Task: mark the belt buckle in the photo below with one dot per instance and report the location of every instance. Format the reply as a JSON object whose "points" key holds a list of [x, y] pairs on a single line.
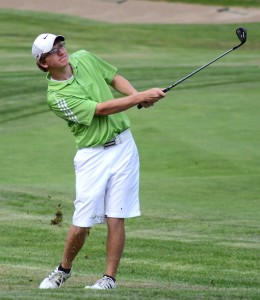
{"points": [[110, 143]]}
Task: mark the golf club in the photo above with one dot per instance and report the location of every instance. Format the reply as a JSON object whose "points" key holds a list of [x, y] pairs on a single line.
{"points": [[241, 34]]}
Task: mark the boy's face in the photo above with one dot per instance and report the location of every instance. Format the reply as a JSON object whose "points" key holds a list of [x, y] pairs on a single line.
{"points": [[57, 58]]}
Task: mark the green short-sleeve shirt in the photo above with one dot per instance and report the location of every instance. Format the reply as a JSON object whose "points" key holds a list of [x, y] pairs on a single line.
{"points": [[75, 100]]}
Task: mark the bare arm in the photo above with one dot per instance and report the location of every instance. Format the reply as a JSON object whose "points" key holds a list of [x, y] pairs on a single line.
{"points": [[147, 98], [123, 86]]}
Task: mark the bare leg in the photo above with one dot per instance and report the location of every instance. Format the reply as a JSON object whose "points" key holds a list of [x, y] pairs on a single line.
{"points": [[75, 240], [115, 244]]}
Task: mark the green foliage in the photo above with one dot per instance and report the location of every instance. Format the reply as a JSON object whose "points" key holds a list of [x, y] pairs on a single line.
{"points": [[198, 237]]}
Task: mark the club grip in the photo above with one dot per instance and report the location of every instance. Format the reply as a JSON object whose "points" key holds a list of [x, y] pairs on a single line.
{"points": [[139, 106], [166, 89]]}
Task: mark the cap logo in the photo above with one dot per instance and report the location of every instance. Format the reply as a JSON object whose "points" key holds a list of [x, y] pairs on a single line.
{"points": [[45, 37]]}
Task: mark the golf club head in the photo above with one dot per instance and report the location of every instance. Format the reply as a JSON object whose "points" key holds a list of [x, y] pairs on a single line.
{"points": [[241, 34]]}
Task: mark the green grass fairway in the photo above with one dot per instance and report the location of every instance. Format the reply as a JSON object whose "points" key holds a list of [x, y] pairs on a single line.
{"points": [[199, 235]]}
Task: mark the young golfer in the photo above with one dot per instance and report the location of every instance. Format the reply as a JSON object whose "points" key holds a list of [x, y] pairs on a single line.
{"points": [[106, 162]]}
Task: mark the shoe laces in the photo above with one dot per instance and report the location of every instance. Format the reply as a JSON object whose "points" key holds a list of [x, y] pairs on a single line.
{"points": [[57, 276], [105, 282]]}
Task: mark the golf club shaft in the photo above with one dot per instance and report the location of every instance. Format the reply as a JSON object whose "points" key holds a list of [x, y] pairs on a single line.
{"points": [[139, 106], [196, 71]]}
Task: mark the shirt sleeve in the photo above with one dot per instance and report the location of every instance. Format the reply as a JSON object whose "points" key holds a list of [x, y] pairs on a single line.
{"points": [[73, 109], [107, 70]]}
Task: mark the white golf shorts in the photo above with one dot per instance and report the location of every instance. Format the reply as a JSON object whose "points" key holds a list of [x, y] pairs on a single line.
{"points": [[107, 182]]}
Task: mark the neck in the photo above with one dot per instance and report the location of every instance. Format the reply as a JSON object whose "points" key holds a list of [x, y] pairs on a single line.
{"points": [[62, 74]]}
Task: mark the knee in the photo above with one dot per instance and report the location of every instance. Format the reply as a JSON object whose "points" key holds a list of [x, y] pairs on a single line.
{"points": [[80, 232], [115, 222]]}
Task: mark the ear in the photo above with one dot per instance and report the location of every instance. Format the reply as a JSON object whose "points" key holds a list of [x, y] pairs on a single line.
{"points": [[42, 64]]}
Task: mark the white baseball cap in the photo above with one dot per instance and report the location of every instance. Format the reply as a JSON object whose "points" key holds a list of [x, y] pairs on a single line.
{"points": [[44, 43]]}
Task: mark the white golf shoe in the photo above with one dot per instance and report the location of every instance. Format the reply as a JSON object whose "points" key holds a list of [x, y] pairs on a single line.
{"points": [[105, 283], [54, 280]]}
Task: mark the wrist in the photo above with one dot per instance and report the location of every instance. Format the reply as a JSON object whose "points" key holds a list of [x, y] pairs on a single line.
{"points": [[139, 97]]}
